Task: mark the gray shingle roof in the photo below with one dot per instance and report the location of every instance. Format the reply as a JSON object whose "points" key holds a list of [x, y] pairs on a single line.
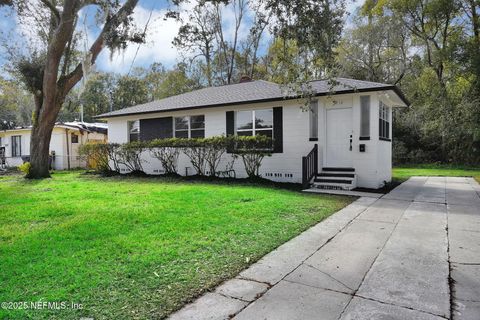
{"points": [[248, 92]]}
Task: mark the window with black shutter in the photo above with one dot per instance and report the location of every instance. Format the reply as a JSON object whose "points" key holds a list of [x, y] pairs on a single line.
{"points": [[267, 122], [255, 122]]}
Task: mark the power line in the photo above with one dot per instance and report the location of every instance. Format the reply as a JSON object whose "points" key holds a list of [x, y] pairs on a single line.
{"points": [[138, 48]]}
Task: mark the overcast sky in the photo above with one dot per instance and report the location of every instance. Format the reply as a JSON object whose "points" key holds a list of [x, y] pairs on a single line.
{"points": [[158, 46]]}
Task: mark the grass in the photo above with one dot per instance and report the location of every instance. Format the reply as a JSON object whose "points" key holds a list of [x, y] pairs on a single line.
{"points": [[137, 248], [402, 173]]}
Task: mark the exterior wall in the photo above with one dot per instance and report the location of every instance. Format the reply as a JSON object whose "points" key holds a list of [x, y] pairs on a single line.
{"points": [[285, 167], [6, 142], [372, 167], [384, 154], [58, 144]]}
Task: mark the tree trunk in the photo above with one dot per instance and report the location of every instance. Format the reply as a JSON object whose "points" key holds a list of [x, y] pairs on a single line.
{"points": [[49, 100], [39, 150], [45, 116]]}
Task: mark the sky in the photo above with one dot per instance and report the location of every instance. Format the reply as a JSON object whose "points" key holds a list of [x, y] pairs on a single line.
{"points": [[160, 34]]}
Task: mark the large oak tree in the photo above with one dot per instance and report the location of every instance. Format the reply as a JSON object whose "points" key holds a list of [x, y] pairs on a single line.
{"points": [[51, 72]]}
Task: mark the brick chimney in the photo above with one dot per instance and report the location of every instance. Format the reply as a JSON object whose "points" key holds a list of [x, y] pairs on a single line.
{"points": [[245, 78]]}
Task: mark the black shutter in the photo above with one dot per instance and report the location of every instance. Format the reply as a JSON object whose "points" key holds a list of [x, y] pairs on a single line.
{"points": [[157, 128], [278, 130], [230, 127], [230, 123]]}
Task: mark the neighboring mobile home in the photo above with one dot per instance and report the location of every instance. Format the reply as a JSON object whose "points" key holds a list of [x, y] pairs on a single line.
{"points": [[64, 144], [345, 130]]}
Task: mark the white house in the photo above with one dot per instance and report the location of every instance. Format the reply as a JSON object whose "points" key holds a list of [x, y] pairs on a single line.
{"points": [[343, 139], [64, 144]]}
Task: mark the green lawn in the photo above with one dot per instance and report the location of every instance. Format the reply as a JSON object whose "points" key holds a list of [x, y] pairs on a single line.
{"points": [[402, 173], [137, 247]]}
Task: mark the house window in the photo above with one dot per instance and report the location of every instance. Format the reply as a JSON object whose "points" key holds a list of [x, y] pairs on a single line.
{"points": [[313, 120], [133, 130], [364, 117], [16, 146], [190, 127], [74, 138], [384, 121], [256, 122]]}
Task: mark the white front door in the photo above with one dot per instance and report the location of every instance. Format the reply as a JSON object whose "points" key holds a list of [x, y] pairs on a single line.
{"points": [[339, 132]]}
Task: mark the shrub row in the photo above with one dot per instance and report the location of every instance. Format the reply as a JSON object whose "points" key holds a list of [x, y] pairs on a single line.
{"points": [[204, 154]]}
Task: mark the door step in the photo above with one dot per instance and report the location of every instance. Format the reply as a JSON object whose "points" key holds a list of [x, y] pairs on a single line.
{"points": [[342, 181], [335, 178], [338, 169], [335, 175]]}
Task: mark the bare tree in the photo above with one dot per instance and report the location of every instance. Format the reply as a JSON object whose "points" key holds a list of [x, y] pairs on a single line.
{"points": [[198, 36]]}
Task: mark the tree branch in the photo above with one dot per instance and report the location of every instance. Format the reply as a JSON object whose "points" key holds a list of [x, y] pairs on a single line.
{"points": [[69, 81], [52, 8]]}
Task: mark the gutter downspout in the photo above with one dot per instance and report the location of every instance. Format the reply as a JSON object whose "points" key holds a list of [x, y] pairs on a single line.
{"points": [[68, 150]]}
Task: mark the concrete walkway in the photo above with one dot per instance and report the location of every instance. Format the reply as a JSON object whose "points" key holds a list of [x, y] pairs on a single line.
{"points": [[412, 254]]}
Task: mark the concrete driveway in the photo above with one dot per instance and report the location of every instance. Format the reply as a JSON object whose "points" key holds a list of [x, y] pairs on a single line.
{"points": [[412, 254]]}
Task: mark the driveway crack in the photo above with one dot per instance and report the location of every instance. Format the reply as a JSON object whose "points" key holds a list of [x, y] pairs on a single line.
{"points": [[451, 281], [401, 306], [373, 262], [331, 277]]}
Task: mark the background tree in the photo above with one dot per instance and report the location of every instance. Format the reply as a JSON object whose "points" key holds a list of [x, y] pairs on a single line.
{"points": [[315, 28], [197, 37], [129, 91], [425, 47], [97, 97], [16, 105], [375, 48]]}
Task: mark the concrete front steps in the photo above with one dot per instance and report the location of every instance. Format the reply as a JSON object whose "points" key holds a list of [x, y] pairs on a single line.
{"points": [[335, 178]]}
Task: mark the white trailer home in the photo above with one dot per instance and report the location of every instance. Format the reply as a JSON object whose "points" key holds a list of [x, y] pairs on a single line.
{"points": [[343, 139], [64, 144]]}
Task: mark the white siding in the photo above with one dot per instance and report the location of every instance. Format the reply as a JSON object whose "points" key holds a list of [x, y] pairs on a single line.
{"points": [[372, 166], [384, 154]]}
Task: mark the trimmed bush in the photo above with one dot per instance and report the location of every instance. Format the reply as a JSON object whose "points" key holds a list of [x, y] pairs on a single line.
{"points": [[167, 152], [203, 153], [252, 150], [101, 157], [96, 156], [196, 151], [215, 148], [129, 155]]}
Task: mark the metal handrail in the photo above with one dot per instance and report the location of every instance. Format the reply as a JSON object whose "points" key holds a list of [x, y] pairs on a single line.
{"points": [[309, 166]]}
